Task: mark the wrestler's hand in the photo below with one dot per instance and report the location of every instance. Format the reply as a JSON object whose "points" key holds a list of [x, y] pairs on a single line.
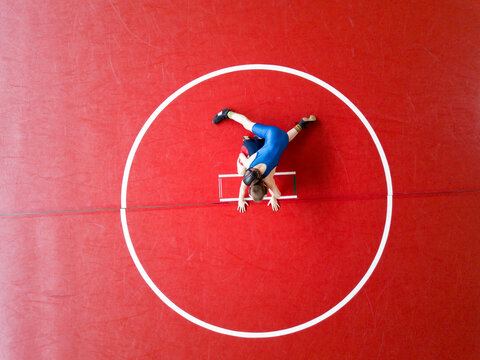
{"points": [[274, 202], [242, 205]]}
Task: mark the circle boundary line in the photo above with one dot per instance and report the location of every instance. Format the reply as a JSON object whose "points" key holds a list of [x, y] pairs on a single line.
{"points": [[131, 155]]}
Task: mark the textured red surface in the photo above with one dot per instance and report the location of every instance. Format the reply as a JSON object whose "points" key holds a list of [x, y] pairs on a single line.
{"points": [[79, 80]]}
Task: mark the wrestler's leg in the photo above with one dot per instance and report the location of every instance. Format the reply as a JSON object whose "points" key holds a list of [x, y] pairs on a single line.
{"points": [[292, 133], [295, 130], [241, 119]]}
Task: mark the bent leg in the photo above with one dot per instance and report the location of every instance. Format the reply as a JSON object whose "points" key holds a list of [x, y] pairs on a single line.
{"points": [[241, 119]]}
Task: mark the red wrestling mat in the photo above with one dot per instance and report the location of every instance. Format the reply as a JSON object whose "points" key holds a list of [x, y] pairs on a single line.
{"points": [[80, 79]]}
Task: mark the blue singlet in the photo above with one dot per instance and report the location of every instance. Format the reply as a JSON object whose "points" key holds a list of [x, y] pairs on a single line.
{"points": [[276, 140]]}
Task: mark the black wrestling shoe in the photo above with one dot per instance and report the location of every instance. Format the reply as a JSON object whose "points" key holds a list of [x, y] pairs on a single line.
{"points": [[305, 121], [222, 115]]}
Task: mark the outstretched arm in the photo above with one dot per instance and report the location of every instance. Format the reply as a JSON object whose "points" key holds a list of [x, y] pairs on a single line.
{"points": [[242, 203], [270, 182], [273, 202], [274, 191]]}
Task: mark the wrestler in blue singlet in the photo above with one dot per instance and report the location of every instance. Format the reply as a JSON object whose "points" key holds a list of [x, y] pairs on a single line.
{"points": [[276, 140]]}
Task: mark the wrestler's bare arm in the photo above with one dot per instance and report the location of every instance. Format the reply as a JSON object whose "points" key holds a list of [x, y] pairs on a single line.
{"points": [[270, 182], [273, 189], [242, 203], [242, 159]]}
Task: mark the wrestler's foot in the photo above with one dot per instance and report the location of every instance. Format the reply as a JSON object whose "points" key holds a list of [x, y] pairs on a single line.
{"points": [[310, 118], [245, 138], [305, 121], [222, 115]]}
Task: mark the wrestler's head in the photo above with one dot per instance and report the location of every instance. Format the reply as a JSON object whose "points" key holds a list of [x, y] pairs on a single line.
{"points": [[257, 190]]}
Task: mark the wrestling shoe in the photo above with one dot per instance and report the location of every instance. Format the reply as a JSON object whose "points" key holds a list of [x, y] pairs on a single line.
{"points": [[305, 121], [310, 118], [222, 115]]}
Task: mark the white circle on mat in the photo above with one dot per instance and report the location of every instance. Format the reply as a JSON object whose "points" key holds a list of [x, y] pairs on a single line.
{"points": [[350, 295]]}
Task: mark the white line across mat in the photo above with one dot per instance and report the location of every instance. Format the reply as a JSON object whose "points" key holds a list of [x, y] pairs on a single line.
{"points": [[265, 198], [236, 175]]}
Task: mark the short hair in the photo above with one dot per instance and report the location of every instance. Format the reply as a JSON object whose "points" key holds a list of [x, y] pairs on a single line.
{"points": [[257, 191]]}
